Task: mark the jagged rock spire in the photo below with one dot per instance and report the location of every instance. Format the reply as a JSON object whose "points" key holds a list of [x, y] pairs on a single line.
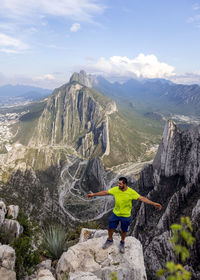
{"points": [[81, 78]]}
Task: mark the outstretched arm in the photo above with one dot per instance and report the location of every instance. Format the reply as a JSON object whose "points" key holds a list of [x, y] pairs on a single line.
{"points": [[146, 200], [98, 194]]}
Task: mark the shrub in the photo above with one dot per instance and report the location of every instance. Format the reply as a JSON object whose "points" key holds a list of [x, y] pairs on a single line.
{"points": [[5, 236], [26, 256], [182, 240], [54, 240], [113, 276]]}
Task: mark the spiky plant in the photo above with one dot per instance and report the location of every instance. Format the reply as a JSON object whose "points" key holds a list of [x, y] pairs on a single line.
{"points": [[54, 240]]}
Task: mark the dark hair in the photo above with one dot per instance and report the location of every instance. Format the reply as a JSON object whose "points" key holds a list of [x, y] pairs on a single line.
{"points": [[124, 180]]}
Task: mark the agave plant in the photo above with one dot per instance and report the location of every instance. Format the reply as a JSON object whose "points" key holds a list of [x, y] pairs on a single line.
{"points": [[54, 240]]}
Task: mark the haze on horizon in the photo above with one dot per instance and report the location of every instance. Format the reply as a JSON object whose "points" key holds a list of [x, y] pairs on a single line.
{"points": [[43, 42]]}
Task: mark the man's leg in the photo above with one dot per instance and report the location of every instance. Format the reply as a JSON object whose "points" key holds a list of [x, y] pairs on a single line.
{"points": [[125, 223], [113, 223], [123, 236], [110, 233]]}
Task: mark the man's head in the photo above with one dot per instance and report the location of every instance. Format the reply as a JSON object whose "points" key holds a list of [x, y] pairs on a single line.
{"points": [[122, 183]]}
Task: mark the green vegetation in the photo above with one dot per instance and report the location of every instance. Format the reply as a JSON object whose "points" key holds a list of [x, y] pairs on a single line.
{"points": [[73, 234], [98, 97], [54, 240], [5, 237], [182, 240], [28, 121], [65, 276], [113, 276], [131, 135], [27, 257]]}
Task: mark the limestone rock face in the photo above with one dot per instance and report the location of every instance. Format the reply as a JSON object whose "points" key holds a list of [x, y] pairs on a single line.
{"points": [[94, 176], [89, 257], [75, 115], [154, 253], [2, 212], [81, 78], [196, 213], [174, 181], [7, 261], [45, 274], [13, 227], [82, 276], [6, 274], [13, 211], [179, 153]]}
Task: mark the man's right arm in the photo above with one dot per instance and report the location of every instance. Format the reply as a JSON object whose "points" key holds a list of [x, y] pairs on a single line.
{"points": [[98, 194]]}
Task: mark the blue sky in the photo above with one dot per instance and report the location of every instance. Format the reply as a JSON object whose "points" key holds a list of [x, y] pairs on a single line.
{"points": [[43, 42]]}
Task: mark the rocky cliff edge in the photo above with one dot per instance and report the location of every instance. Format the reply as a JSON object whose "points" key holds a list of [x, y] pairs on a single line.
{"points": [[87, 260]]}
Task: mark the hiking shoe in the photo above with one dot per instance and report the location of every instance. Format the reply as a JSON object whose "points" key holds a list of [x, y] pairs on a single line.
{"points": [[107, 244], [121, 247]]}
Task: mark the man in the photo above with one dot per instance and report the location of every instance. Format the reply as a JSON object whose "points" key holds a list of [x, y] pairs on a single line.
{"points": [[122, 212]]}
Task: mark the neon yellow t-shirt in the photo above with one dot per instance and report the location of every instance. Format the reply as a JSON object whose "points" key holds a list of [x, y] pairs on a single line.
{"points": [[123, 201]]}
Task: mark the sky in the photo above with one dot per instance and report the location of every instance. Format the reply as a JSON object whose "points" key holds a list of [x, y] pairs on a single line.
{"points": [[43, 42]]}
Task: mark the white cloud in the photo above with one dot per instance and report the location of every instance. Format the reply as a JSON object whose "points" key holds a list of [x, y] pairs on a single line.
{"points": [[77, 9], [11, 45], [143, 66], [46, 77], [75, 27], [187, 78]]}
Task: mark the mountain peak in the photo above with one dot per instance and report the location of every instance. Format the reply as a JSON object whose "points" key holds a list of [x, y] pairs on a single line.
{"points": [[81, 78]]}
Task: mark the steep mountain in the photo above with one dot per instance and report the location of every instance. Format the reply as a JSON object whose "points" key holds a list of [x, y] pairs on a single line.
{"points": [[173, 180], [77, 116], [58, 149], [81, 119]]}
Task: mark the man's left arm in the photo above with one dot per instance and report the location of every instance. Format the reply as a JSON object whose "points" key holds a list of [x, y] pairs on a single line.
{"points": [[148, 201]]}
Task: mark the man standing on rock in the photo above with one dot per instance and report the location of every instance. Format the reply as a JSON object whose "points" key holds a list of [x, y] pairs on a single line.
{"points": [[122, 212]]}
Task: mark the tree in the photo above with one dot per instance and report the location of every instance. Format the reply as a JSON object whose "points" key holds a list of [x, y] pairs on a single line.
{"points": [[182, 240]]}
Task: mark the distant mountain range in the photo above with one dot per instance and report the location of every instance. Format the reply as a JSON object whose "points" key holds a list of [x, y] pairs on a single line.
{"points": [[149, 95], [24, 92], [153, 94]]}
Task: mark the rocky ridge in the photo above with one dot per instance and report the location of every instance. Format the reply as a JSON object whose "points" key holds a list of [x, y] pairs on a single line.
{"points": [[87, 259], [11, 227], [173, 180], [77, 116]]}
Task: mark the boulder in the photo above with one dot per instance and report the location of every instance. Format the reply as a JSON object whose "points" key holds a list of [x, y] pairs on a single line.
{"points": [[6, 274], [2, 212], [13, 211], [7, 257], [87, 233], [13, 227], [45, 274], [89, 257], [46, 264], [7, 261], [82, 276]]}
